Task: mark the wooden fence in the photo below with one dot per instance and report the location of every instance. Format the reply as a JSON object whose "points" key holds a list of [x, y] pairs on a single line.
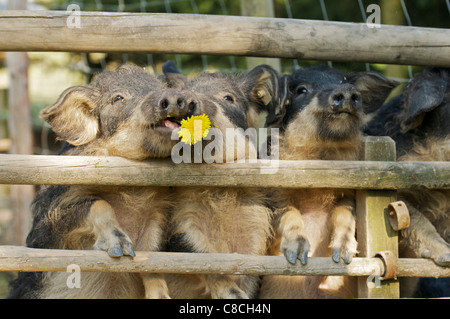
{"points": [[376, 179], [223, 35]]}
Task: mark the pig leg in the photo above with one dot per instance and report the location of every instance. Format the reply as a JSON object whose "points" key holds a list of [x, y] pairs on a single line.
{"points": [[293, 239], [109, 236], [224, 287], [193, 240], [342, 225], [423, 240], [155, 285]]}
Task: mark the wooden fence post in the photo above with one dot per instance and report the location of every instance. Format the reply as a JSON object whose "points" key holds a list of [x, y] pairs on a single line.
{"points": [[373, 229], [259, 8], [20, 132]]}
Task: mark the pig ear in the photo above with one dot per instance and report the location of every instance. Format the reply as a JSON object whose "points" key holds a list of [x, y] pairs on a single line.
{"points": [[422, 95], [374, 88], [277, 110], [175, 80], [172, 76], [263, 82], [71, 117], [170, 67], [266, 89]]}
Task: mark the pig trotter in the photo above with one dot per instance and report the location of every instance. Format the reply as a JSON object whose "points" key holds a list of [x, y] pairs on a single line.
{"points": [[297, 249], [224, 287], [347, 256], [105, 226], [345, 251], [443, 260], [343, 242], [117, 244]]}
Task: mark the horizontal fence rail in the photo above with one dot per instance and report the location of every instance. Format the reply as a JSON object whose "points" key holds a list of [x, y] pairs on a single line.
{"points": [[222, 35], [17, 258], [116, 171]]}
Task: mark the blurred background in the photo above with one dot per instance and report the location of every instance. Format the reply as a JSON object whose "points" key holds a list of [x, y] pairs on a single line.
{"points": [[46, 74]]}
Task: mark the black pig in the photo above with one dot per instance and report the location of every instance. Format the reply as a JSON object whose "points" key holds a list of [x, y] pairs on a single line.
{"points": [[418, 120], [322, 121]]}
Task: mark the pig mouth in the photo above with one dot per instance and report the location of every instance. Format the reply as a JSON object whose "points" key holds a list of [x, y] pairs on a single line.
{"points": [[336, 115], [346, 113], [169, 123]]}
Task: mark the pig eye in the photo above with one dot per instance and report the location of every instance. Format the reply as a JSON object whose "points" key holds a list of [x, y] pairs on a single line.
{"points": [[118, 98], [228, 98], [301, 90]]}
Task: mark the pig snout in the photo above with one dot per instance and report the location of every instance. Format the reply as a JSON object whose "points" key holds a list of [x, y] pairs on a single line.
{"points": [[172, 102], [176, 104], [345, 99], [168, 108]]}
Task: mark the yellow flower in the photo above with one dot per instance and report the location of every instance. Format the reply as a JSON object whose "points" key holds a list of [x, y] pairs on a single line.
{"points": [[193, 129]]}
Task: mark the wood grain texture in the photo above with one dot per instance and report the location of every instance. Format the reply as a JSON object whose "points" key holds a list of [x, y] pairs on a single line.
{"points": [[224, 35], [17, 258], [372, 226], [92, 170]]}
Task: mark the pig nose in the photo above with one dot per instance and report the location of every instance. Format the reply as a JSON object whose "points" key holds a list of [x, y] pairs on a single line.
{"points": [[345, 98], [172, 101]]}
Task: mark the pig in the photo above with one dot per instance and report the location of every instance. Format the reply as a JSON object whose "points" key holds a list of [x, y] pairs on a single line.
{"points": [[127, 113], [219, 219], [263, 97], [321, 121], [417, 120]]}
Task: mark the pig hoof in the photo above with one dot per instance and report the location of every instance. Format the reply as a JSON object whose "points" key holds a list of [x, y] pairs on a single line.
{"points": [[304, 257], [344, 247], [291, 256], [116, 244], [443, 260], [297, 249], [336, 256], [347, 256], [115, 251]]}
